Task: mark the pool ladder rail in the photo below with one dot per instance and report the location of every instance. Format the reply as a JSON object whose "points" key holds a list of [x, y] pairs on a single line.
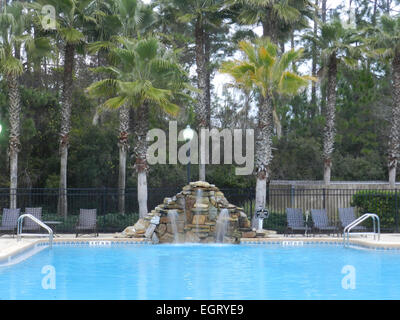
{"points": [[376, 225], [37, 221]]}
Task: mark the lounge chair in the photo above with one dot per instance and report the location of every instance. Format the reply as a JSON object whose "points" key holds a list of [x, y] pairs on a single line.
{"points": [[295, 221], [347, 216], [87, 221], [30, 225], [9, 221], [321, 222]]}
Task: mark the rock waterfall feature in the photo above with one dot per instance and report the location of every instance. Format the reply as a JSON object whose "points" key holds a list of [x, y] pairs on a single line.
{"points": [[199, 213]]}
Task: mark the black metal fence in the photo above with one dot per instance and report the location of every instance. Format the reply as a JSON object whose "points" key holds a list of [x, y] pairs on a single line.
{"points": [[384, 202], [105, 200]]}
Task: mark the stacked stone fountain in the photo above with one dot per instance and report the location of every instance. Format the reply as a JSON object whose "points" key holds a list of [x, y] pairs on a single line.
{"points": [[191, 216]]}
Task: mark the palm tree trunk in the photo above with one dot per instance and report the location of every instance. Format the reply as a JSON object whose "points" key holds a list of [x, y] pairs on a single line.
{"points": [[374, 11], [270, 29], [329, 130], [123, 146], [140, 151], [66, 105], [323, 14], [394, 139], [314, 63], [14, 144], [263, 152], [202, 97], [207, 52]]}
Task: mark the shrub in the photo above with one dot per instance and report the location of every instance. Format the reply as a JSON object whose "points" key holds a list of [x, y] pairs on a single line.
{"points": [[111, 222], [383, 203], [276, 220]]}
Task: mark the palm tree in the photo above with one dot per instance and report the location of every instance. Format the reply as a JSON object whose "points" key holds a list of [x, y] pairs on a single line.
{"points": [[143, 74], [264, 71], [338, 45], [134, 19], [279, 19], [72, 17], [13, 37], [386, 45], [200, 15]]}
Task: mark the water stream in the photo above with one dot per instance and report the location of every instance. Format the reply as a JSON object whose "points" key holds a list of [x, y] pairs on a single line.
{"points": [[222, 225], [173, 215]]}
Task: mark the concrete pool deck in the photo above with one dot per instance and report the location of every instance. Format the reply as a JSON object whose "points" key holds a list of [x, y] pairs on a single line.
{"points": [[9, 246]]}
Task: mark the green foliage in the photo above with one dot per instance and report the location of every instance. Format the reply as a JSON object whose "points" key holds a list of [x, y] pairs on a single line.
{"points": [[383, 40], [264, 70], [110, 222], [116, 222], [363, 93], [143, 71], [385, 204], [276, 221], [360, 141]]}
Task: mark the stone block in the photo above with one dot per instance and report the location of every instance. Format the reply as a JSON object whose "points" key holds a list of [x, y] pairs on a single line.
{"points": [[249, 234], [191, 237], [199, 219], [161, 229]]}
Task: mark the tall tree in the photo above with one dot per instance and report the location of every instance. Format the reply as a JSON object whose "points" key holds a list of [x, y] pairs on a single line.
{"points": [[314, 56], [143, 74], [385, 43], [323, 11], [263, 70], [13, 37], [279, 19], [73, 17], [134, 19], [201, 16], [338, 45]]}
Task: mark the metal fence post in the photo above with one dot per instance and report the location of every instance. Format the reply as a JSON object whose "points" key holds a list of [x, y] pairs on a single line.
{"points": [[292, 196], [396, 211], [104, 200]]}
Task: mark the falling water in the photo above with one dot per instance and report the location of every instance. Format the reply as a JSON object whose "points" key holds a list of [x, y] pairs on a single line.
{"points": [[222, 225], [172, 215], [199, 195]]}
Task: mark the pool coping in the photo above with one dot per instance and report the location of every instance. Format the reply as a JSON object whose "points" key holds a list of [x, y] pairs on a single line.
{"points": [[24, 248]]}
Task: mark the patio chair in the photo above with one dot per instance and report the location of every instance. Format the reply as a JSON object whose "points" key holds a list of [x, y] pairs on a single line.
{"points": [[321, 222], [87, 221], [295, 221], [9, 221], [347, 216], [30, 225]]}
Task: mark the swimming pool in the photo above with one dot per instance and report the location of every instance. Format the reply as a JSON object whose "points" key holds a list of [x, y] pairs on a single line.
{"points": [[204, 272]]}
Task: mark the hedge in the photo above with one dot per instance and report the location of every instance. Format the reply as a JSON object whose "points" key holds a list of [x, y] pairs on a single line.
{"points": [[385, 204]]}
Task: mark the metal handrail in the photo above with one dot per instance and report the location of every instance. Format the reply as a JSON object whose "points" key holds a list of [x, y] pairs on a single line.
{"points": [[349, 227], [37, 221]]}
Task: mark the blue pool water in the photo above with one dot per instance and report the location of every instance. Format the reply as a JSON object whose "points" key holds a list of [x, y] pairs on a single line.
{"points": [[204, 272]]}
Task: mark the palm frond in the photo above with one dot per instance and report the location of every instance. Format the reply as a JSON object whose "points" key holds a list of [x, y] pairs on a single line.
{"points": [[103, 88], [11, 66], [290, 83], [115, 102], [71, 35]]}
